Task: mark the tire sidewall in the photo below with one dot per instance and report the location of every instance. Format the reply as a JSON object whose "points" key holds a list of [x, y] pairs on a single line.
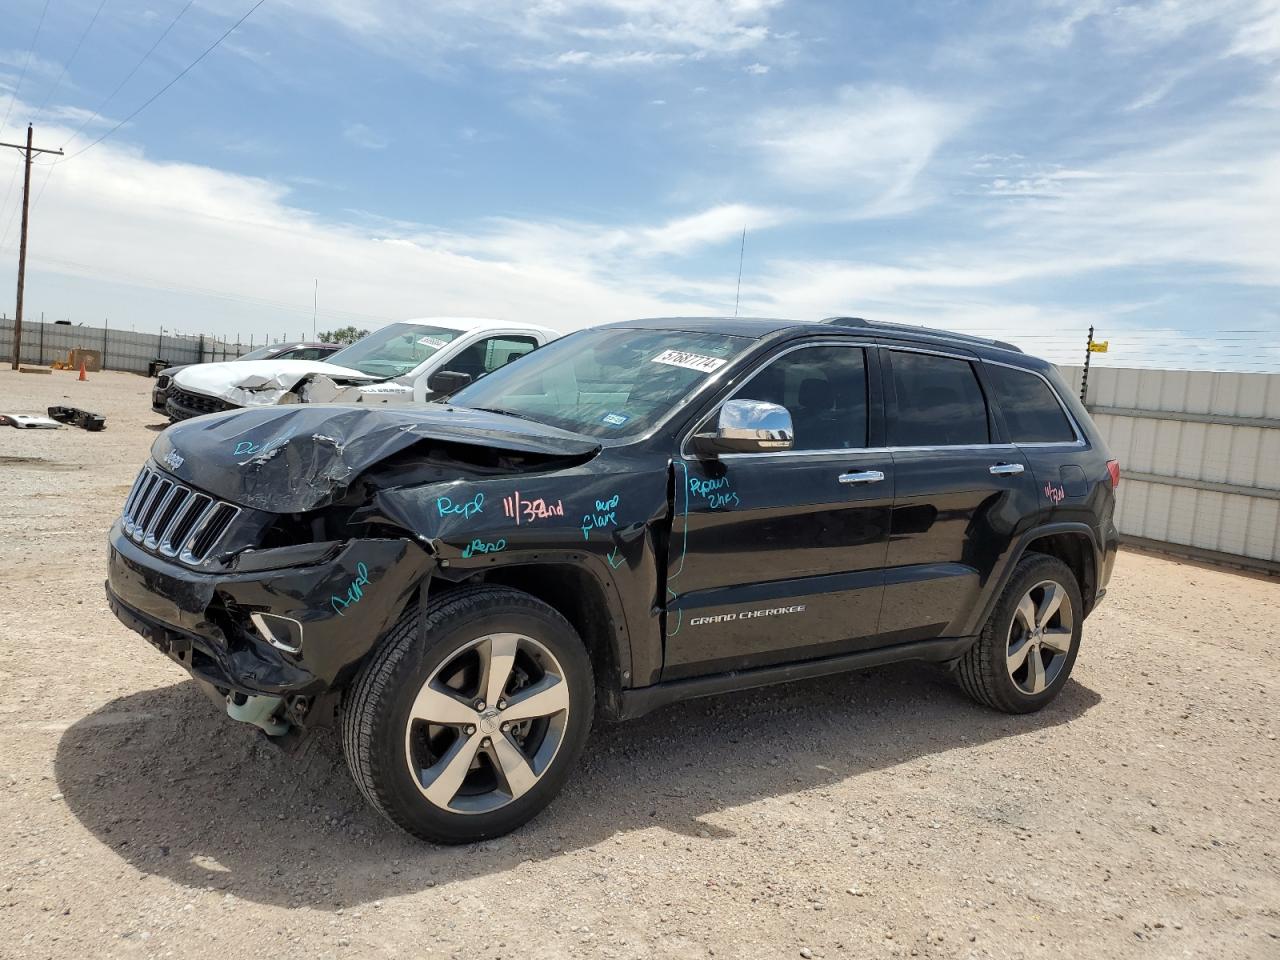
{"points": [[391, 716]]}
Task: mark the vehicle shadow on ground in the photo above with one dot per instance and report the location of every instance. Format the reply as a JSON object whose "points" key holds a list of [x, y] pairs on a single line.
{"points": [[180, 791]]}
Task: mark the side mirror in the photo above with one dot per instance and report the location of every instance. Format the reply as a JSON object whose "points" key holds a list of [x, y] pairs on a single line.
{"points": [[748, 426], [444, 383]]}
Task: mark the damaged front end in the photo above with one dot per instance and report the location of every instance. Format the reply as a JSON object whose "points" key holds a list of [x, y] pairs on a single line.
{"points": [[266, 383], [251, 553]]}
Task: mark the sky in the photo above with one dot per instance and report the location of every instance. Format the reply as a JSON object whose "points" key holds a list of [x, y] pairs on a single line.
{"points": [[1018, 169]]}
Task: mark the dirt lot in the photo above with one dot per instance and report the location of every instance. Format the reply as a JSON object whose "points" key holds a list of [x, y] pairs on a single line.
{"points": [[874, 815]]}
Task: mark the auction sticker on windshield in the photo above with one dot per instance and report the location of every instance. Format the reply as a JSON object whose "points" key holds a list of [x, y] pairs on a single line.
{"points": [[432, 342], [690, 361]]}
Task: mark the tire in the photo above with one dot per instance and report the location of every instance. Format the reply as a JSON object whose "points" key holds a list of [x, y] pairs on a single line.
{"points": [[987, 672], [411, 726]]}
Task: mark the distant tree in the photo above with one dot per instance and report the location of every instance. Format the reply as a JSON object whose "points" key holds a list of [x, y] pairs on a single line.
{"points": [[343, 335]]}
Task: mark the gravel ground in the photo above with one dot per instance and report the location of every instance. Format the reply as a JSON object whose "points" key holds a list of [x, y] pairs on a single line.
{"points": [[879, 814]]}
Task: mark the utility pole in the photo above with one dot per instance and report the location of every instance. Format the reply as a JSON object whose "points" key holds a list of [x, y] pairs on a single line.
{"points": [[27, 152]]}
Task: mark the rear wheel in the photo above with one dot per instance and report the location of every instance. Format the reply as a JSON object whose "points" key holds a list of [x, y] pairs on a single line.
{"points": [[1028, 646], [473, 735]]}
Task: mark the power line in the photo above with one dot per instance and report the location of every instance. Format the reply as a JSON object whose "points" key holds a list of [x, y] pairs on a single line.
{"points": [[136, 67], [71, 59], [185, 70], [13, 97]]}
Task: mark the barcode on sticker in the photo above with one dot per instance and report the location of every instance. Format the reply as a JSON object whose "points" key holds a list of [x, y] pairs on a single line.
{"points": [[690, 361], [432, 342]]}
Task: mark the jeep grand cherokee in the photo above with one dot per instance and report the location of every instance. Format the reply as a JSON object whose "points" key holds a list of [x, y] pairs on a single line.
{"points": [[632, 515]]}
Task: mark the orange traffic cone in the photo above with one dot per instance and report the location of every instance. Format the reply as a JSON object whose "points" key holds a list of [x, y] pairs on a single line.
{"points": [[82, 376]]}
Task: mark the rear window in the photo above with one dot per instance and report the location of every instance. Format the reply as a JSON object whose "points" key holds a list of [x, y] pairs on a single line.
{"points": [[1031, 410], [939, 402]]}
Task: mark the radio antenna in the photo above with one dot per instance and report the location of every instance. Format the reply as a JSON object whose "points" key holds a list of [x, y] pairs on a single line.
{"points": [[741, 250]]}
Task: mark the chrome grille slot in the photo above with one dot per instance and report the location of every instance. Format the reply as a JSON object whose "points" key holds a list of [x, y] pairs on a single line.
{"points": [[192, 515], [144, 504], [214, 526], [170, 518]]}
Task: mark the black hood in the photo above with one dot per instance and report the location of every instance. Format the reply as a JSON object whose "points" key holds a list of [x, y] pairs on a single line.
{"points": [[294, 458]]}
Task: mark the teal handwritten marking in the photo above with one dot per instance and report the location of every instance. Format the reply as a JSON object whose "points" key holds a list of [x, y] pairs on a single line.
{"points": [[612, 554], [467, 510], [251, 449], [480, 546], [715, 491], [354, 592], [684, 548], [606, 515]]}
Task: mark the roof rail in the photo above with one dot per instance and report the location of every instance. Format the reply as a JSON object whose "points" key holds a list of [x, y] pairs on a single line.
{"points": [[927, 331]]}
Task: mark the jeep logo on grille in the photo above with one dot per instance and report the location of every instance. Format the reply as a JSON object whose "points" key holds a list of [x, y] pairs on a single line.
{"points": [[174, 459]]}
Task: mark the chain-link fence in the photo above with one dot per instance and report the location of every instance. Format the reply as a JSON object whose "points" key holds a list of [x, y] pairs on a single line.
{"points": [[129, 350]]}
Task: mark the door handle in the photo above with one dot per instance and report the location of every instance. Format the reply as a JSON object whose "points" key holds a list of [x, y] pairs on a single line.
{"points": [[862, 476], [1007, 469]]}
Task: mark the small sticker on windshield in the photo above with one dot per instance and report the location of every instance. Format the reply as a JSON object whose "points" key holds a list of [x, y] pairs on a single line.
{"points": [[690, 361], [432, 342], [614, 419]]}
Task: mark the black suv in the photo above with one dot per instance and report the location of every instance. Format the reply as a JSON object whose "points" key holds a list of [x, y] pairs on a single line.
{"points": [[632, 515]]}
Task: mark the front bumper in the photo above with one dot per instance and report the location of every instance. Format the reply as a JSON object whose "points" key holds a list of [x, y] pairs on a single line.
{"points": [[183, 405], [201, 620]]}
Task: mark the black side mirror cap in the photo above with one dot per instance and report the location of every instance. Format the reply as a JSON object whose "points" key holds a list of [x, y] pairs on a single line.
{"points": [[447, 382]]}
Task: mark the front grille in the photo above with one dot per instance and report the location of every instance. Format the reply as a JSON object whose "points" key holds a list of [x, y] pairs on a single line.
{"points": [[198, 402], [171, 519]]}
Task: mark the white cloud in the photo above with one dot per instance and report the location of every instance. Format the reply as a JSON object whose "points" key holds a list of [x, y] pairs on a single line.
{"points": [[232, 250], [868, 144], [365, 137], [756, 69], [559, 34]]}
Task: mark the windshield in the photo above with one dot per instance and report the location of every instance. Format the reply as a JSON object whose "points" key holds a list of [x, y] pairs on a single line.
{"points": [[260, 354], [394, 350], [604, 383]]}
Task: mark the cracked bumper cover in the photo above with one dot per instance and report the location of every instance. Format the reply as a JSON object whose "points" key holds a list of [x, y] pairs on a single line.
{"points": [[201, 619]]}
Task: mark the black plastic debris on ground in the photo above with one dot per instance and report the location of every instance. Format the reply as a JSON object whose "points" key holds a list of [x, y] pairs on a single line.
{"points": [[80, 418]]}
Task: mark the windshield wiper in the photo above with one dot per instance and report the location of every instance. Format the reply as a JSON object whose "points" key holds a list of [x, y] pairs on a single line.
{"points": [[507, 413]]}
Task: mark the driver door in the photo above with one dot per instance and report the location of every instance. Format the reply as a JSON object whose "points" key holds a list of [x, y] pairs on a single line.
{"points": [[779, 556]]}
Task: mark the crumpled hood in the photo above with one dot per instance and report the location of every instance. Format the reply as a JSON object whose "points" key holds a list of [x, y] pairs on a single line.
{"points": [[294, 458], [258, 382]]}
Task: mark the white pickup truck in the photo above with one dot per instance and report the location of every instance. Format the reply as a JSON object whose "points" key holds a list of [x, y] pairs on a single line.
{"points": [[394, 364]]}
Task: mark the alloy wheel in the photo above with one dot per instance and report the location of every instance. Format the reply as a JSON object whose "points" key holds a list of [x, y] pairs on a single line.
{"points": [[1040, 637], [487, 723]]}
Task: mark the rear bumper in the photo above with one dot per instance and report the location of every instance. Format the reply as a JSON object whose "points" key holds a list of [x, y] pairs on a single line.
{"points": [[202, 620]]}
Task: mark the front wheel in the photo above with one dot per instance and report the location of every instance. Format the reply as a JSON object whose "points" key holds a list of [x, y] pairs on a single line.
{"points": [[470, 735], [1026, 650]]}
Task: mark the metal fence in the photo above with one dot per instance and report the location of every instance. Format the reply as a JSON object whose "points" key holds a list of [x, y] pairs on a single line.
{"points": [[128, 350], [1200, 454]]}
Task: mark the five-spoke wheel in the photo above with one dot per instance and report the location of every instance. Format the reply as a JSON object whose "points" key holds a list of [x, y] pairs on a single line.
{"points": [[1028, 645], [487, 723], [1039, 636], [466, 721]]}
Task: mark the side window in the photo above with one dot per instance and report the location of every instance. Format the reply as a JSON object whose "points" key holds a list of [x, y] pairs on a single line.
{"points": [[825, 390], [487, 355], [307, 353], [939, 402], [1031, 409]]}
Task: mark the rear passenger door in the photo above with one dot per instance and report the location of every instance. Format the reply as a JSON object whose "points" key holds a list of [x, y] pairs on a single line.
{"points": [[1032, 416], [961, 493]]}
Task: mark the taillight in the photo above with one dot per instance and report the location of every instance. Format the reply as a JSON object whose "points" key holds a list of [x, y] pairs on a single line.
{"points": [[1113, 468]]}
